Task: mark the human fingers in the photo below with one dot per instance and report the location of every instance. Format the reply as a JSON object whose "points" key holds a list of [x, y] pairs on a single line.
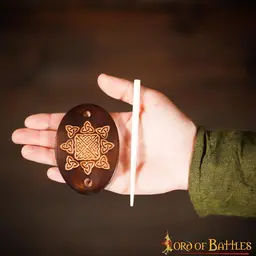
{"points": [[122, 89], [39, 154], [44, 121], [34, 137], [53, 173]]}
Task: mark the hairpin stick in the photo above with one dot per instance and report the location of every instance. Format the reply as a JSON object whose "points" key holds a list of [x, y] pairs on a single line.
{"points": [[134, 142]]}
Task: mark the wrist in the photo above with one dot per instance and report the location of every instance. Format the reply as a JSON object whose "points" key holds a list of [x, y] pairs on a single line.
{"points": [[187, 155]]}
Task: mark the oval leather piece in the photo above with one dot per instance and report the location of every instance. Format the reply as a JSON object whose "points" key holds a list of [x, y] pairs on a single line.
{"points": [[87, 148]]}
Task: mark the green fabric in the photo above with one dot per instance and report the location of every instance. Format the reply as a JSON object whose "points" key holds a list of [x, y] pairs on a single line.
{"points": [[222, 178]]}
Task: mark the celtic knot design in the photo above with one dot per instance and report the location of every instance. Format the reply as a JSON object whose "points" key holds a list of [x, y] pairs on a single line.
{"points": [[87, 147]]}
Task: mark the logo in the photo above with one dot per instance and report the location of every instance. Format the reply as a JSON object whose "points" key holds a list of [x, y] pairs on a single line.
{"points": [[209, 247], [168, 244]]}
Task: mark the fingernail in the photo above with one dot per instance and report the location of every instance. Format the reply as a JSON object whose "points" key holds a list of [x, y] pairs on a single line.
{"points": [[26, 150], [28, 120], [49, 173], [100, 76], [15, 136]]}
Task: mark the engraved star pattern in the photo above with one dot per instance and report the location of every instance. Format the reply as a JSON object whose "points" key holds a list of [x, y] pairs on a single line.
{"points": [[87, 147]]}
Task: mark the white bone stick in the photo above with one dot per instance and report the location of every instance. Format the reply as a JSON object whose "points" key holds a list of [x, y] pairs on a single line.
{"points": [[134, 142]]}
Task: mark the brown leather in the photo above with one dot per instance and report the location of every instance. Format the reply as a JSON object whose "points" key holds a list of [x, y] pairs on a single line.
{"points": [[87, 148]]}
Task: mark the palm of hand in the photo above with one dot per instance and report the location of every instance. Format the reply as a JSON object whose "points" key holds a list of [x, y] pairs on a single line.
{"points": [[163, 145], [163, 152]]}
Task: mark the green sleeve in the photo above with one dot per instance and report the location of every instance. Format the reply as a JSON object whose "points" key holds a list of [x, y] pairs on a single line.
{"points": [[222, 178]]}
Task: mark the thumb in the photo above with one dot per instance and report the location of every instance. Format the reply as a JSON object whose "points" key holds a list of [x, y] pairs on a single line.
{"points": [[121, 89]]}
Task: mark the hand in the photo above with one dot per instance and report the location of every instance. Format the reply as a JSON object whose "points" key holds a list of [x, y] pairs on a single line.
{"points": [[166, 141]]}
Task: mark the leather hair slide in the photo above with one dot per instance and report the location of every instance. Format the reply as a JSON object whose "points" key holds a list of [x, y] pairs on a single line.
{"points": [[87, 148]]}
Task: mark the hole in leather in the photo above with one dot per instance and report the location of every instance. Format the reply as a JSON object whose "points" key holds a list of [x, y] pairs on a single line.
{"points": [[88, 182], [87, 114]]}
